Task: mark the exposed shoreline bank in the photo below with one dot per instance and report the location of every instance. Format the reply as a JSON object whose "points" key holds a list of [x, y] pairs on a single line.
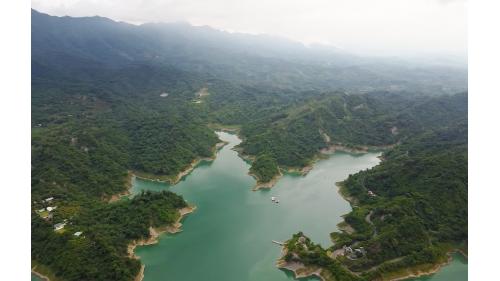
{"points": [[433, 270], [127, 192], [265, 185], [410, 272], [359, 149], [303, 171], [154, 235], [186, 171], [251, 158], [41, 276], [166, 179], [298, 269], [42, 272], [341, 190]]}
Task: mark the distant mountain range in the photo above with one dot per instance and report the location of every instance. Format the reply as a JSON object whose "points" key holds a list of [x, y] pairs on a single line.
{"points": [[111, 99], [67, 45]]}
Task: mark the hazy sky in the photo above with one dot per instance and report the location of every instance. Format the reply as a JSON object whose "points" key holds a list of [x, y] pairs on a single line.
{"points": [[386, 27]]}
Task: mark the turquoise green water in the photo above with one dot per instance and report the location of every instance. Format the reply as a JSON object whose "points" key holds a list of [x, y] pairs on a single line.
{"points": [[456, 270], [229, 236]]}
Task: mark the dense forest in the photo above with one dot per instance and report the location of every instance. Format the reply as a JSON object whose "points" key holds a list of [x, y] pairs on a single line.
{"points": [[264, 167], [100, 252], [409, 211], [119, 99], [294, 135], [88, 134]]}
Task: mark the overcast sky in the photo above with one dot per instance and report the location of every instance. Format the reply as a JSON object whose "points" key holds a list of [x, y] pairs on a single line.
{"points": [[384, 27]]}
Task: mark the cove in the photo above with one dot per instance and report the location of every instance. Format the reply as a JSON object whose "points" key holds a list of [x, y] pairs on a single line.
{"points": [[229, 236], [456, 271]]}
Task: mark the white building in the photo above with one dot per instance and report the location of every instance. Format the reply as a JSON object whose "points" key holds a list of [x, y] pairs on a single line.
{"points": [[59, 226]]}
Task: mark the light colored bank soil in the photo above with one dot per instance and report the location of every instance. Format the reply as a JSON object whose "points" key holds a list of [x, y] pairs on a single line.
{"points": [[154, 234], [299, 269]]}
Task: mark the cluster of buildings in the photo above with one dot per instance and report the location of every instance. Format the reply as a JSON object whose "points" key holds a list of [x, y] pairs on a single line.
{"points": [[47, 214], [353, 254]]}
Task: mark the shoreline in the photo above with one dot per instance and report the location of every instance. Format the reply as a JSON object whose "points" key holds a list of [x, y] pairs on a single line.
{"points": [[154, 235], [460, 251], [163, 178], [433, 270], [303, 171], [41, 276], [298, 269], [245, 157], [251, 158], [360, 149], [341, 190], [408, 271], [140, 275], [186, 171], [43, 272], [224, 128], [127, 192], [345, 227], [302, 271], [265, 185]]}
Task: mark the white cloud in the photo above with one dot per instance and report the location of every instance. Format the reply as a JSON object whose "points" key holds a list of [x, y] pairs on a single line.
{"points": [[382, 26]]}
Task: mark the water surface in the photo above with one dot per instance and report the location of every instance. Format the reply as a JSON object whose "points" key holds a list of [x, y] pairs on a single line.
{"points": [[229, 236], [455, 271]]}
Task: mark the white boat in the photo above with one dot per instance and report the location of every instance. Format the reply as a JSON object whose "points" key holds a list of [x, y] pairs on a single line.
{"points": [[273, 198]]}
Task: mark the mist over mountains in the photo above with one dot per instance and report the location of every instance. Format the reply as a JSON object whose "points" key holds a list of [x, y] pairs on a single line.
{"points": [[112, 100], [87, 46]]}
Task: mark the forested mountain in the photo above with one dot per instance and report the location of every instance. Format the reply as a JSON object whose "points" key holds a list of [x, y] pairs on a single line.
{"points": [[110, 99], [409, 211], [65, 43], [293, 136]]}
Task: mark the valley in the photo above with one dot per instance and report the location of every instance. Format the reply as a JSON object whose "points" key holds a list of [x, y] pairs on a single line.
{"points": [[126, 130]]}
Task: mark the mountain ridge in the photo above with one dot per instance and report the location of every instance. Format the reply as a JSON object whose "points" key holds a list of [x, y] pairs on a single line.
{"points": [[240, 58]]}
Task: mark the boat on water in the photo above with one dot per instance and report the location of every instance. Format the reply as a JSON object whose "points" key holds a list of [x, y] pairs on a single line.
{"points": [[273, 199]]}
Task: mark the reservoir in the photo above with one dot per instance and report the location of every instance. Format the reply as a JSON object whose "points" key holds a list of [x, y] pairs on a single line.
{"points": [[229, 236], [456, 270]]}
